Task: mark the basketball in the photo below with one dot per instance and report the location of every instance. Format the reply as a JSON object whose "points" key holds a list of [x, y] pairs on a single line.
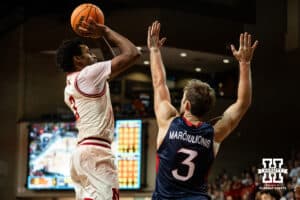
{"points": [[83, 12]]}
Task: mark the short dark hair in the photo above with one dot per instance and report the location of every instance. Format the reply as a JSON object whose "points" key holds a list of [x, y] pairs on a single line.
{"points": [[65, 53], [201, 96]]}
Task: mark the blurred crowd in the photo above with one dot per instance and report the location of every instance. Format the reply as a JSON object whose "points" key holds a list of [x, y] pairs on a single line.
{"points": [[248, 185]]}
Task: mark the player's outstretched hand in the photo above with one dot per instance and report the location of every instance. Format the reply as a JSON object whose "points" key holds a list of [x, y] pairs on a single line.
{"points": [[246, 49], [153, 36]]}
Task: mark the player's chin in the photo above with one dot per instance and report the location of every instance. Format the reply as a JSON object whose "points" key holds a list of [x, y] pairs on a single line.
{"points": [[94, 60]]}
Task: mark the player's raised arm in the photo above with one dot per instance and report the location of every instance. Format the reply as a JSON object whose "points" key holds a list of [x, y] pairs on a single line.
{"points": [[236, 111], [128, 51], [162, 101]]}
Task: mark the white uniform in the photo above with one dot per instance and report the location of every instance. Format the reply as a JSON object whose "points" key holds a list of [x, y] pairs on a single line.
{"points": [[92, 165]]}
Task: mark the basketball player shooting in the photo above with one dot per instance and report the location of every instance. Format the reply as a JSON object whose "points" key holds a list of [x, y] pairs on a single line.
{"points": [[93, 171], [186, 145]]}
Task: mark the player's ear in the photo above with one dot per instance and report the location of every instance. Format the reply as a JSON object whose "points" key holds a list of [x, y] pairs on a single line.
{"points": [[77, 61], [187, 105], [76, 58]]}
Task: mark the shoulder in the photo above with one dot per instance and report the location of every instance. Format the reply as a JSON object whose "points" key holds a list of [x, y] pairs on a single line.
{"points": [[102, 65], [165, 112], [70, 77]]}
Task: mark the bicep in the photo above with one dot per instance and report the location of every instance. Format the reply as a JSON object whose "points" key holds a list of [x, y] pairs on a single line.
{"points": [[229, 121], [120, 63]]}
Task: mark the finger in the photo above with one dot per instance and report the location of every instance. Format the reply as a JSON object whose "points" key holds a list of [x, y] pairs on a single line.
{"points": [[82, 29], [84, 24], [254, 45], [158, 28], [241, 40], [149, 32], [245, 39], [162, 41], [155, 27], [249, 40], [84, 32], [93, 23], [152, 29], [92, 20], [233, 48]]}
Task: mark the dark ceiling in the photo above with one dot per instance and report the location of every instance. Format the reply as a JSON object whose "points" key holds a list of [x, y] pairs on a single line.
{"points": [[237, 10], [194, 20], [196, 25]]}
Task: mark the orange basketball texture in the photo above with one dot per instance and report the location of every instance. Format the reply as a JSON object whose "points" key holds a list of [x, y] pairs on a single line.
{"points": [[83, 12]]}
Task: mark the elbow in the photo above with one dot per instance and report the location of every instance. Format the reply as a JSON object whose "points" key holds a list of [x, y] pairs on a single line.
{"points": [[134, 54], [137, 55], [131, 53], [158, 82], [245, 104], [248, 103]]}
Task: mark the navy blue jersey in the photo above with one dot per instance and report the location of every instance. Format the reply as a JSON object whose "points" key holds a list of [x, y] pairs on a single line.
{"points": [[185, 157]]}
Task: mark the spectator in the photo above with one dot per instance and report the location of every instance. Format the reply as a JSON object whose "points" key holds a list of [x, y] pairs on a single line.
{"points": [[297, 192], [294, 172], [228, 197], [269, 195], [288, 196]]}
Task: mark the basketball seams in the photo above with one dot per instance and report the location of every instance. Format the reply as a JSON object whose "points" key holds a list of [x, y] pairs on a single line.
{"points": [[91, 6], [83, 12], [75, 18]]}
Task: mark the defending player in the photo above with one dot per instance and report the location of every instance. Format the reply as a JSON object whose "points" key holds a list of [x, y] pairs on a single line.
{"points": [[186, 145]]}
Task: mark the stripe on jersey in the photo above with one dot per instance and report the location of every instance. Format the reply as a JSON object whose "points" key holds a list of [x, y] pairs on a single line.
{"points": [[95, 141]]}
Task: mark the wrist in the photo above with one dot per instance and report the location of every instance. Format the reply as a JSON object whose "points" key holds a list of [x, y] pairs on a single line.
{"points": [[244, 62], [154, 49], [106, 31]]}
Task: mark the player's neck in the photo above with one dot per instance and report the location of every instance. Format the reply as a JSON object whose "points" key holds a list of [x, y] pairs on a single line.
{"points": [[191, 118]]}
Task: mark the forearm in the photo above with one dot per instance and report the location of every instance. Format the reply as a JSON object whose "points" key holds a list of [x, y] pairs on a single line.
{"points": [[107, 51], [244, 95], [125, 46], [157, 68]]}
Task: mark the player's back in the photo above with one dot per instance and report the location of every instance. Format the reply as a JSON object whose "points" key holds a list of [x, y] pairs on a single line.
{"points": [[185, 157]]}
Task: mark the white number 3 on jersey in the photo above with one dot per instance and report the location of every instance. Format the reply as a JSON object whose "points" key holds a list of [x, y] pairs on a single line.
{"points": [[188, 162]]}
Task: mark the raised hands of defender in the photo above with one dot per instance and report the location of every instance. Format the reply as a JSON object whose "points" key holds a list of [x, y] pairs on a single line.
{"points": [[246, 49], [92, 29], [153, 36]]}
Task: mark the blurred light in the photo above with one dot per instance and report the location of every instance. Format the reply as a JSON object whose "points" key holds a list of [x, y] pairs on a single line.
{"points": [[221, 93], [226, 60], [139, 48], [198, 69], [183, 54], [220, 85], [146, 62]]}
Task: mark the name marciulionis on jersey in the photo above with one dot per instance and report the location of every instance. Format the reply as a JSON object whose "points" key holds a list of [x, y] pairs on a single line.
{"points": [[184, 136]]}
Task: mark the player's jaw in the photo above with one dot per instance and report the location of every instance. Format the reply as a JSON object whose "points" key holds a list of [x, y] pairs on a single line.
{"points": [[93, 60]]}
